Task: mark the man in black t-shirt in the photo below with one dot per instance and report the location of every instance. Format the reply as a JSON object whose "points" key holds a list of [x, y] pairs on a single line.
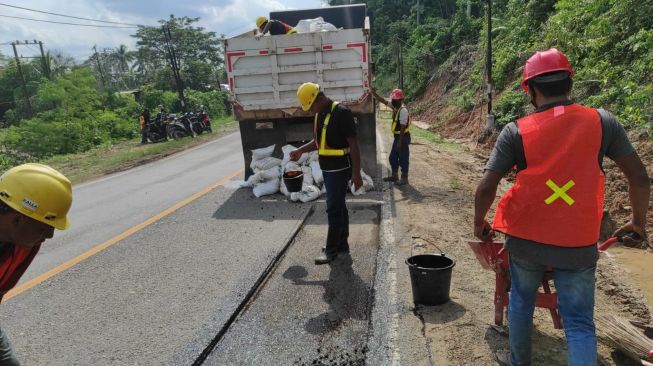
{"points": [[334, 136]]}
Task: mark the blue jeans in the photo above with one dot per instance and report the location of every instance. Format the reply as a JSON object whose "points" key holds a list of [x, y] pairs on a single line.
{"points": [[7, 356], [575, 290], [338, 217], [400, 158]]}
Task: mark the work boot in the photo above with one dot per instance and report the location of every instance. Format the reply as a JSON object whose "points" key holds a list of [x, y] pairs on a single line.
{"points": [[330, 251], [403, 181], [393, 178], [325, 257]]}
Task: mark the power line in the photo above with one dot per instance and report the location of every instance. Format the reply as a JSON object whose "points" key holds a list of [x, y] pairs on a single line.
{"points": [[78, 24], [67, 16]]}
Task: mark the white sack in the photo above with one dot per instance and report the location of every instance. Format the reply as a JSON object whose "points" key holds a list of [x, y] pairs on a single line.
{"points": [[313, 25], [368, 185], [262, 153], [265, 163], [253, 180], [265, 188], [283, 189], [317, 173], [292, 166], [271, 173], [308, 176], [307, 194]]}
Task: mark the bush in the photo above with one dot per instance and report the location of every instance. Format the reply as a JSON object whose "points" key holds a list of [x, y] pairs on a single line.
{"points": [[216, 102], [510, 107]]}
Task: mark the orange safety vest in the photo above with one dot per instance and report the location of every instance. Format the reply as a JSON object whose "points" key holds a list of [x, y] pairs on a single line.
{"points": [[141, 121], [289, 29], [323, 148], [13, 265], [558, 198], [396, 126]]}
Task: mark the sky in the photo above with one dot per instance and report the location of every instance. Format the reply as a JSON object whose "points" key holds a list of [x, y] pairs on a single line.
{"points": [[228, 17]]}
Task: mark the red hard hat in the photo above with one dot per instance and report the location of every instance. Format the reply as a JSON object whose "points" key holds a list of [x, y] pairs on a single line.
{"points": [[544, 62], [397, 94]]}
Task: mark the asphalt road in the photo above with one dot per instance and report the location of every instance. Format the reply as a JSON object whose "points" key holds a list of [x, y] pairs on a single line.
{"points": [[104, 208], [160, 295]]}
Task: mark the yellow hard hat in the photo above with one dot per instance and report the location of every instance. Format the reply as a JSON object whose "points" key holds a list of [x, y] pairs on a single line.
{"points": [[260, 20], [306, 95], [39, 192]]}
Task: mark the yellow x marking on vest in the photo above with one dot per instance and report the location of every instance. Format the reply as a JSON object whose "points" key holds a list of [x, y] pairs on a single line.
{"points": [[559, 192]]}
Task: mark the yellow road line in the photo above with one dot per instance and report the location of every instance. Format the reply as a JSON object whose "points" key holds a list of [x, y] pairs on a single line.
{"points": [[66, 265]]}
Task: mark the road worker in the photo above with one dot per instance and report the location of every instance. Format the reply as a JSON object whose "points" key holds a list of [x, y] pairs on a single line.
{"points": [[275, 27], [144, 120], [400, 128], [551, 216], [334, 136], [34, 200]]}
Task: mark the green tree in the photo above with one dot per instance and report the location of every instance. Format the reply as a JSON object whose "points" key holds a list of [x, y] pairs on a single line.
{"points": [[192, 45]]}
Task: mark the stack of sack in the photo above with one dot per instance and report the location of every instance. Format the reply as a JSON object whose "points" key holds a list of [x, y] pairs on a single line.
{"points": [[269, 170]]}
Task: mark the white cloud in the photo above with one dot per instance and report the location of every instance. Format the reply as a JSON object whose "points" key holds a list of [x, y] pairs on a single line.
{"points": [[240, 15], [221, 16]]}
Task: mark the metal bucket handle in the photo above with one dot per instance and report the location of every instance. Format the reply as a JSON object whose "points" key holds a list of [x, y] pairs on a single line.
{"points": [[427, 241]]}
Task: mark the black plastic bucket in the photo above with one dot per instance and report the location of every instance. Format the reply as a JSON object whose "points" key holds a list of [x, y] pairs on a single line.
{"points": [[430, 277], [293, 183]]}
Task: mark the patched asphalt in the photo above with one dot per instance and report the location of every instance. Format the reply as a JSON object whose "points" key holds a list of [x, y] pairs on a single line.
{"points": [[307, 314]]}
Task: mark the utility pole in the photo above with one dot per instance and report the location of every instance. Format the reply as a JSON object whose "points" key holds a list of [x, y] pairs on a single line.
{"points": [[418, 11], [46, 66], [99, 66], [400, 66], [489, 122], [22, 77], [175, 66]]}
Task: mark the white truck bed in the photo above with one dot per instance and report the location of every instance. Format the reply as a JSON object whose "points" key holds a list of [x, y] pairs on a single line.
{"points": [[264, 74]]}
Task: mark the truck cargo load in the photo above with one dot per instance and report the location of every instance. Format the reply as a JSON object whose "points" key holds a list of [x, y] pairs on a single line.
{"points": [[264, 74]]}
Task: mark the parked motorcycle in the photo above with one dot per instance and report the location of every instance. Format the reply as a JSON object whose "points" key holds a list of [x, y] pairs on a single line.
{"points": [[156, 129], [178, 127], [203, 123]]}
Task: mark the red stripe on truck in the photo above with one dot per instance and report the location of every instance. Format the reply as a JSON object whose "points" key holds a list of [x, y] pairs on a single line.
{"points": [[327, 47], [231, 85], [229, 56], [296, 49], [263, 52], [352, 45]]}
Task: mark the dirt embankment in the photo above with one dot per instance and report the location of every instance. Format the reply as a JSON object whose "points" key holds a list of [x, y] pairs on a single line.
{"points": [[438, 205]]}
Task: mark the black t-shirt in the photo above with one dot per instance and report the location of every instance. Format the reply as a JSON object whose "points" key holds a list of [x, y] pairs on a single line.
{"points": [[277, 27], [341, 126]]}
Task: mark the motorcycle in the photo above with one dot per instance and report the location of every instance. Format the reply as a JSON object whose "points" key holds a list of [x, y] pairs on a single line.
{"points": [[203, 123], [178, 127], [156, 129]]}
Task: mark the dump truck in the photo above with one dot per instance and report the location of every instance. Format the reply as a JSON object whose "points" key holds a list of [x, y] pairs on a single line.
{"points": [[264, 74]]}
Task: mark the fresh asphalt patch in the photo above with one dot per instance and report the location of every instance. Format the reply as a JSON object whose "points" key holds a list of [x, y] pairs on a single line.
{"points": [[307, 314]]}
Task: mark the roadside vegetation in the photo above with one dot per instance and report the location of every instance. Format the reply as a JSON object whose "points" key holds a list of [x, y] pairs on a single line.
{"points": [[609, 42], [73, 110]]}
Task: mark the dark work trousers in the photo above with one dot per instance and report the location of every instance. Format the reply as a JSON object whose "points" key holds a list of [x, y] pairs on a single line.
{"points": [[336, 189], [144, 134], [400, 158]]}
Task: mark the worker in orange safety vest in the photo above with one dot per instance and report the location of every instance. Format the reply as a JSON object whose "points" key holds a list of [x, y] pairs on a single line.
{"points": [[551, 216]]}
